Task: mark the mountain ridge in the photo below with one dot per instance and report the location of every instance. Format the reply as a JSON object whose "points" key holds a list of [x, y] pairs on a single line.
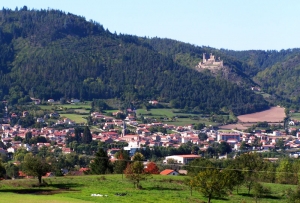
{"points": [[51, 54]]}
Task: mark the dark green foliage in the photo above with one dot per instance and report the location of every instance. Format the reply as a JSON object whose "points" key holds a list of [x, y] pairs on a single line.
{"points": [[202, 136], [100, 164], [87, 135], [2, 169], [50, 54], [121, 162]]}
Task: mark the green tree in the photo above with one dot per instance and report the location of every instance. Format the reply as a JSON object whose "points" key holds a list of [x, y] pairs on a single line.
{"points": [[233, 177], [250, 164], [121, 162], [224, 148], [36, 166], [87, 136], [12, 171], [2, 169], [286, 172], [28, 136], [259, 191], [211, 183], [135, 171], [100, 164], [202, 136], [280, 144]]}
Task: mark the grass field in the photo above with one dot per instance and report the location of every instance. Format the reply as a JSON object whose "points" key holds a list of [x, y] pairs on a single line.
{"points": [[169, 113], [155, 189], [75, 117], [295, 116], [63, 110], [86, 105]]}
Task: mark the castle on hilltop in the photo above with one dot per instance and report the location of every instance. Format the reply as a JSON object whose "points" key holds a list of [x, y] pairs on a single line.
{"points": [[210, 63]]}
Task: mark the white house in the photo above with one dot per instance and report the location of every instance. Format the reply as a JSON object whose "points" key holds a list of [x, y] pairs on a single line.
{"points": [[182, 159], [75, 101], [51, 100]]}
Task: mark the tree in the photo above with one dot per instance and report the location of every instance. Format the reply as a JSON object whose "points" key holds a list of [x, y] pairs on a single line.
{"points": [[202, 136], [100, 164], [152, 168], [2, 169], [259, 191], [135, 171], [36, 166], [250, 164], [280, 144], [121, 162], [210, 182], [87, 136], [286, 173], [233, 177], [28, 136], [77, 133], [224, 148], [12, 170]]}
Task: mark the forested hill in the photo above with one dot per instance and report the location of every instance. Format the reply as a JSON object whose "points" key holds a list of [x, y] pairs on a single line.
{"points": [[51, 54]]}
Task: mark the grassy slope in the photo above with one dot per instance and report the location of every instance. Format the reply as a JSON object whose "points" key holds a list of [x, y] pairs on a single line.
{"points": [[155, 189], [79, 108]]}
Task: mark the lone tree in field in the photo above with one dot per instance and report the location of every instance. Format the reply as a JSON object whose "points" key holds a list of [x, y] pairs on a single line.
{"points": [[100, 164], [135, 171], [210, 182], [36, 166]]}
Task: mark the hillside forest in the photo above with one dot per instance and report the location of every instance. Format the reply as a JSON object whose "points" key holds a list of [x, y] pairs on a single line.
{"points": [[53, 54]]}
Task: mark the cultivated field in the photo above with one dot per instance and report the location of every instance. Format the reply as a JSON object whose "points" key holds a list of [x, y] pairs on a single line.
{"points": [[156, 189], [272, 115]]}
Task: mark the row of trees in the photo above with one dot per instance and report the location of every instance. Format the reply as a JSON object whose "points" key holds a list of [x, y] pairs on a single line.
{"points": [[217, 179]]}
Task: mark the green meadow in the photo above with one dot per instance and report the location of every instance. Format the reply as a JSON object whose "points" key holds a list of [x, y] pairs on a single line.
{"points": [[157, 188], [75, 112], [180, 120]]}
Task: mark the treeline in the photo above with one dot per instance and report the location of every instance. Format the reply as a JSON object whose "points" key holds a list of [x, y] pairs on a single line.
{"points": [[215, 178]]}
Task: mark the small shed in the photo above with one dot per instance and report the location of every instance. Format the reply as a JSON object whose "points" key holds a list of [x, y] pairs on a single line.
{"points": [[169, 172]]}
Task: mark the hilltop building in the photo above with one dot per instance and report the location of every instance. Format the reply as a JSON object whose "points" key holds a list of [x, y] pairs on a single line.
{"points": [[210, 63]]}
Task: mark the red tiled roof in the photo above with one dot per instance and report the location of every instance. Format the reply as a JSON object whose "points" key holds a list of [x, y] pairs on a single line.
{"points": [[166, 172]]}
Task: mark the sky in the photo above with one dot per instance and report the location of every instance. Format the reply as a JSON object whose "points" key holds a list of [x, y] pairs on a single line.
{"points": [[228, 24]]}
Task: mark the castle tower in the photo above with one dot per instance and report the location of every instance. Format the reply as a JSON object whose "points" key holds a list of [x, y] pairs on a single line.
{"points": [[204, 59]]}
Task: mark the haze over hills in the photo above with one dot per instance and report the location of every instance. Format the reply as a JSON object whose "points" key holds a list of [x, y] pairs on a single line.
{"points": [[52, 54]]}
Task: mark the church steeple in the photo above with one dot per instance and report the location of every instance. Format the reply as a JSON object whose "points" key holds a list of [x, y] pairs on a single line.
{"points": [[124, 129]]}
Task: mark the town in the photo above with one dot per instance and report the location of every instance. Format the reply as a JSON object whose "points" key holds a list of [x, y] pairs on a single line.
{"points": [[158, 141]]}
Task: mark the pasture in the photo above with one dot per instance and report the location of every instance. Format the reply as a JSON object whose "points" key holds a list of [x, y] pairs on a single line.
{"points": [[74, 117], [155, 189], [295, 116], [171, 117], [75, 112]]}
